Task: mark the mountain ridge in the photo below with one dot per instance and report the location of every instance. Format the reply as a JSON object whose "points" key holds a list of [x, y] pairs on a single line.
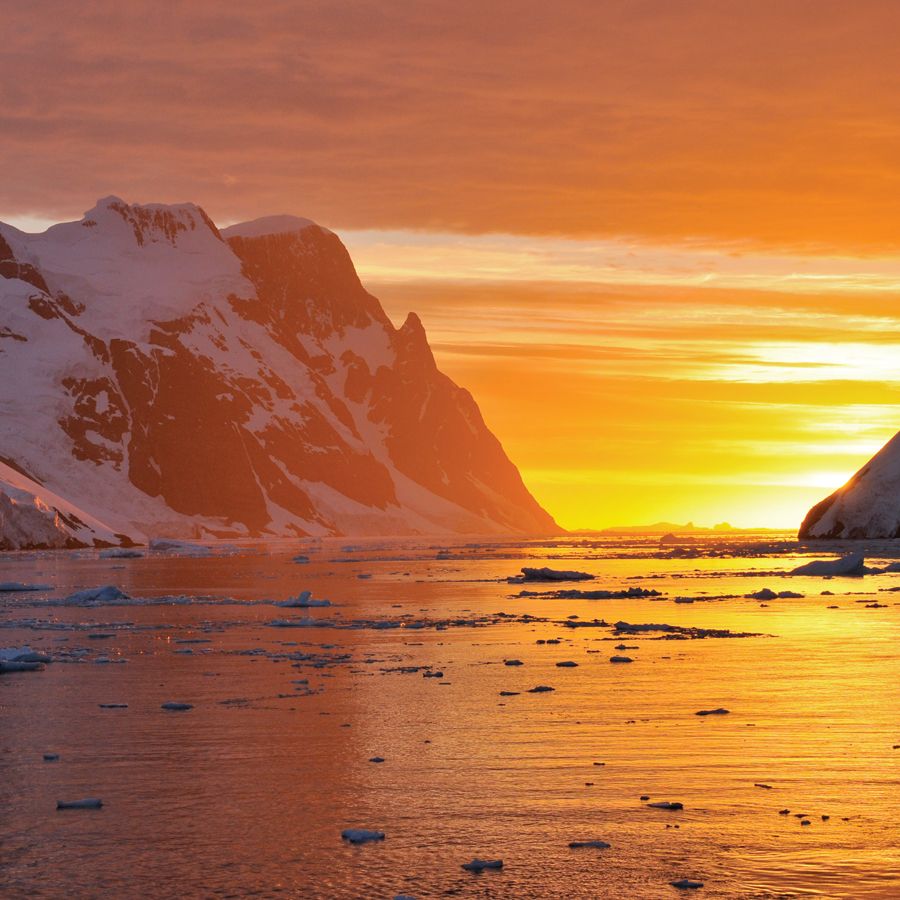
{"points": [[169, 378]]}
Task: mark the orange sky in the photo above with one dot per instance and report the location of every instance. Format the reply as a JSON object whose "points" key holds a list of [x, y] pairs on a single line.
{"points": [[657, 240]]}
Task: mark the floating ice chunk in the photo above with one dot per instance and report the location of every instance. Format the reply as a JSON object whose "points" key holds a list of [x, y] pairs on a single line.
{"points": [[51, 757], [18, 586], [181, 548], [620, 659], [666, 804], [597, 845], [688, 632], [21, 659], [540, 689], [686, 884], [547, 574], [567, 664], [852, 564], [305, 622], [575, 594], [18, 666], [479, 865], [22, 654], [303, 601], [175, 706], [107, 594], [513, 662], [87, 803], [769, 594], [361, 835], [300, 558], [718, 711], [121, 553]]}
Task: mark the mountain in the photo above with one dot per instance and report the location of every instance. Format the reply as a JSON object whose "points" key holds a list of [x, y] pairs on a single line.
{"points": [[867, 506], [666, 528], [166, 378]]}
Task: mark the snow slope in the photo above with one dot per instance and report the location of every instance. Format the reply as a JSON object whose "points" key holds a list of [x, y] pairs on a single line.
{"points": [[867, 506], [169, 379], [32, 517]]}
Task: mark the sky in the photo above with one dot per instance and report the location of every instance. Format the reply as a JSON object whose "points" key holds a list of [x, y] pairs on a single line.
{"points": [[656, 239]]}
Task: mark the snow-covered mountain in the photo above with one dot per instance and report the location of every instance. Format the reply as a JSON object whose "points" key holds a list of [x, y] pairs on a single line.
{"points": [[166, 378], [867, 506]]}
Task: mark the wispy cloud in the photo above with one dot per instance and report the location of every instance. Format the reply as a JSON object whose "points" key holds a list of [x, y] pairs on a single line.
{"points": [[646, 403]]}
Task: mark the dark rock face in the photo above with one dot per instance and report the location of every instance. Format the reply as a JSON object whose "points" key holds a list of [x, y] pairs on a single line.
{"points": [[10, 267], [208, 383]]}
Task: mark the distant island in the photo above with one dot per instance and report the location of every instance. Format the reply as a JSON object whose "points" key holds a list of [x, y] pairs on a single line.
{"points": [[673, 528]]}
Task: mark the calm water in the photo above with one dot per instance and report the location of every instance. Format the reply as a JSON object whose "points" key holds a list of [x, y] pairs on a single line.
{"points": [[247, 793]]}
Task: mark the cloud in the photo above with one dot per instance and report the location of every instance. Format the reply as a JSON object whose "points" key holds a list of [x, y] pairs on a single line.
{"points": [[657, 404], [715, 121]]}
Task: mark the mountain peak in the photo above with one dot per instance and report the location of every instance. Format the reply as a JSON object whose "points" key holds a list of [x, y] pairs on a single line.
{"points": [[283, 224], [149, 223], [413, 325]]}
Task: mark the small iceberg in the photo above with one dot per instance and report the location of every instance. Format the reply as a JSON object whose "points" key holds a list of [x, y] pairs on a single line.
{"points": [[479, 865], [303, 601], [597, 845], [547, 574], [769, 594], [15, 666], [305, 622], [21, 659], [23, 654], [107, 594], [852, 564], [87, 803], [13, 587], [361, 835]]}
